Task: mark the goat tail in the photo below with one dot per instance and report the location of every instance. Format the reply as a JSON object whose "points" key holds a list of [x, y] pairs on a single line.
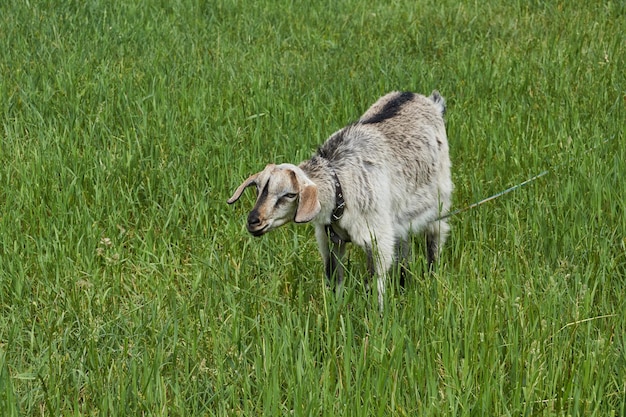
{"points": [[439, 101]]}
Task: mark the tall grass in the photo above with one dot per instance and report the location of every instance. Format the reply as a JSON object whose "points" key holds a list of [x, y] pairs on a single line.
{"points": [[129, 287]]}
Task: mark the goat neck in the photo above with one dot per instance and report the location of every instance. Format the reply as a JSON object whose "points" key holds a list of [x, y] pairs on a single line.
{"points": [[321, 173]]}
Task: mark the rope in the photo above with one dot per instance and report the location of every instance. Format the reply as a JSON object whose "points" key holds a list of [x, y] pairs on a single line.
{"points": [[513, 188]]}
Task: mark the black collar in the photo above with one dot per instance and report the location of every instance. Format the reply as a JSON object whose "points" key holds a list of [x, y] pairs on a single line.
{"points": [[340, 204]]}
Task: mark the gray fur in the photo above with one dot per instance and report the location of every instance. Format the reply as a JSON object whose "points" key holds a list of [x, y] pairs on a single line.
{"points": [[394, 169]]}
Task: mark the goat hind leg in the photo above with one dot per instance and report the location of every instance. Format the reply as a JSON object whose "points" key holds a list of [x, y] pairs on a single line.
{"points": [[403, 248], [436, 235]]}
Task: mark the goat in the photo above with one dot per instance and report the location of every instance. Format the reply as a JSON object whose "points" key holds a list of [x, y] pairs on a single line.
{"points": [[371, 183]]}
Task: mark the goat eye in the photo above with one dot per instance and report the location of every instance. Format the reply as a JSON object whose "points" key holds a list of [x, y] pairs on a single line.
{"points": [[290, 196]]}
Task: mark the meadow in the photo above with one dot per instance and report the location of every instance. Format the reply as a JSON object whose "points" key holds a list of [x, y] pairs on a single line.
{"points": [[128, 287]]}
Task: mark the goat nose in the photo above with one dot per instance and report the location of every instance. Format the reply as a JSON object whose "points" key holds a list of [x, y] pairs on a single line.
{"points": [[253, 219]]}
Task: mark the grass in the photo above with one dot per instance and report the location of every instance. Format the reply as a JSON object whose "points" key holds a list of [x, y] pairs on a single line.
{"points": [[129, 287]]}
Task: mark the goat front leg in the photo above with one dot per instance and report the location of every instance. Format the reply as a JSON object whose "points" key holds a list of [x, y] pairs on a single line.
{"points": [[332, 255], [379, 260], [334, 264]]}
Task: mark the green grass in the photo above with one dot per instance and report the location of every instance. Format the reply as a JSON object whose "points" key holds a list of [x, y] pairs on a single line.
{"points": [[129, 287]]}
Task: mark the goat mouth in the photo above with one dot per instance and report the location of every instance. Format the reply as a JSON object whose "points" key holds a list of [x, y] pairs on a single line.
{"points": [[258, 232]]}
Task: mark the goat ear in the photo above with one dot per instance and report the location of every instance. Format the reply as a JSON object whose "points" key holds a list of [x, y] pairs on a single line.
{"points": [[250, 181], [308, 204]]}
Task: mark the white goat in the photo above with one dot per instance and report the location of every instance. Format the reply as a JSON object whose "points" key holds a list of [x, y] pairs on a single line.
{"points": [[371, 183]]}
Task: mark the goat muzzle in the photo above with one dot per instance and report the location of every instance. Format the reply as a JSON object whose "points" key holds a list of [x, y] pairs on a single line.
{"points": [[255, 226]]}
